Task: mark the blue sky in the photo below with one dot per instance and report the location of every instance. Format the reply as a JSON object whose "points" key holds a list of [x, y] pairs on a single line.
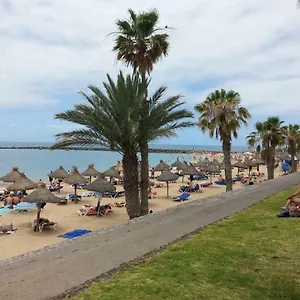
{"points": [[49, 50]]}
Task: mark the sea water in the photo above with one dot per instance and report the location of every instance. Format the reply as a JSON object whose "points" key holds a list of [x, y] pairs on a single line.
{"points": [[36, 164]]}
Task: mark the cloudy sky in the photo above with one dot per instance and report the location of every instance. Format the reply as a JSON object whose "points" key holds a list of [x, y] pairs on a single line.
{"points": [[49, 50]]}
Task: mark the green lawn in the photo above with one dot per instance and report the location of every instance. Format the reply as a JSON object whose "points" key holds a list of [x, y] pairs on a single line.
{"points": [[252, 255]]}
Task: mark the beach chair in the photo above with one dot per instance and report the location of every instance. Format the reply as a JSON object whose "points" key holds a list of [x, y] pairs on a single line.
{"points": [[74, 198], [88, 194], [113, 194], [183, 188], [44, 223], [103, 211], [196, 188], [80, 186], [24, 206], [182, 197]]}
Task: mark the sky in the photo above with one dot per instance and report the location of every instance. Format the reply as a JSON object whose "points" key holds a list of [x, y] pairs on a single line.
{"points": [[50, 50]]}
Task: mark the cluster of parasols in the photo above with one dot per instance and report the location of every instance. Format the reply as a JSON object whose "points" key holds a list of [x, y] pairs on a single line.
{"points": [[197, 168], [42, 194]]}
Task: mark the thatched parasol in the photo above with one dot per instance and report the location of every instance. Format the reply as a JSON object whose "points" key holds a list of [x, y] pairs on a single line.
{"points": [[12, 176], [101, 186], [162, 166], [259, 161], [22, 184], [177, 164], [41, 195], [212, 170], [111, 173], [90, 171], [167, 176], [214, 162], [119, 167], [59, 174], [190, 171], [201, 164], [75, 178], [240, 165]]}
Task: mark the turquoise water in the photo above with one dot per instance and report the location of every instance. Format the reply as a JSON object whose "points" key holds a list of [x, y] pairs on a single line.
{"points": [[37, 164]]}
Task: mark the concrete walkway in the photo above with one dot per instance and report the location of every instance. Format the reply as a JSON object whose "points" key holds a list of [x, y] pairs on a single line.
{"points": [[49, 272]]}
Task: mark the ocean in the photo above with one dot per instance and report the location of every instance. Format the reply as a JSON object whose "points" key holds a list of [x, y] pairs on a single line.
{"points": [[36, 164]]}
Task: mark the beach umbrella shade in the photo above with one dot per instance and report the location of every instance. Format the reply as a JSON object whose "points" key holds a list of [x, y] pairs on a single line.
{"points": [[212, 170], [191, 171], [240, 165], [101, 186], [12, 176], [119, 167], [177, 164], [75, 178], [111, 173], [22, 184], [162, 166], [59, 174], [90, 171], [167, 176], [41, 195], [259, 161]]}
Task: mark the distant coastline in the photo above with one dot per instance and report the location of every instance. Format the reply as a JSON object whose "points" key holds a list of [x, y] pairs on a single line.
{"points": [[151, 150]]}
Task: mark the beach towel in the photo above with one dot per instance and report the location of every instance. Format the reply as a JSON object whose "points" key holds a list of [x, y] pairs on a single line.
{"points": [[75, 233], [24, 206], [5, 210]]}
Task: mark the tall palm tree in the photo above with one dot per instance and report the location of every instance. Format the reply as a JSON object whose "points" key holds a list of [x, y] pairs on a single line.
{"points": [[292, 137], [222, 115], [111, 119], [268, 136], [139, 44]]}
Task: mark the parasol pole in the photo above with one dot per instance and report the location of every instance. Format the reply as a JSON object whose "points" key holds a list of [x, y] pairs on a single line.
{"points": [[98, 204]]}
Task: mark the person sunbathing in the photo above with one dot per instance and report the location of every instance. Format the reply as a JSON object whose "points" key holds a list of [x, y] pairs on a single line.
{"points": [[291, 199], [221, 179]]}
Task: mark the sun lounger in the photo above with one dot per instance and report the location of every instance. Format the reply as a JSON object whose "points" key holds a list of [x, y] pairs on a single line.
{"points": [[103, 211], [113, 194], [182, 197], [75, 198], [121, 204], [44, 223], [79, 186], [24, 206], [88, 194]]}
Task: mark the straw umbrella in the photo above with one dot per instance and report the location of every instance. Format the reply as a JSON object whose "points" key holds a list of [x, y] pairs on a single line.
{"points": [[177, 164], [111, 173], [212, 170], [250, 164], [162, 166], [22, 184], [12, 176], [75, 178], [190, 170], [41, 195], [167, 176], [101, 186], [59, 174], [90, 171], [240, 165]]}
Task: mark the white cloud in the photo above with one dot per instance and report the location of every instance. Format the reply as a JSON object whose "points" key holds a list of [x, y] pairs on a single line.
{"points": [[47, 47]]}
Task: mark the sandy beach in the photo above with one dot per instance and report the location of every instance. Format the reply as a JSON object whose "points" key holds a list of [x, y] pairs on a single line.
{"points": [[24, 239]]}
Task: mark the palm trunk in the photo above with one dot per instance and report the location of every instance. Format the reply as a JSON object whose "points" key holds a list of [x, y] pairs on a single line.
{"points": [[271, 165], [131, 183], [294, 162], [226, 145], [144, 184]]}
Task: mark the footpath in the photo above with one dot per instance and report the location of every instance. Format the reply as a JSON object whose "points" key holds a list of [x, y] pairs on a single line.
{"points": [[48, 272]]}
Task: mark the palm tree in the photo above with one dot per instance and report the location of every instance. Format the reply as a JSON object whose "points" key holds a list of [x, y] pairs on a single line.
{"points": [[292, 137], [111, 119], [139, 44], [222, 115], [268, 135]]}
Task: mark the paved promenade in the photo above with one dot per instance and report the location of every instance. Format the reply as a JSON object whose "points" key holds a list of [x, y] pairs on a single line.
{"points": [[49, 272]]}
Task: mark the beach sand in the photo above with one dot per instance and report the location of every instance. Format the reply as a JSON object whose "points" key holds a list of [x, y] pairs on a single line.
{"points": [[67, 218]]}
